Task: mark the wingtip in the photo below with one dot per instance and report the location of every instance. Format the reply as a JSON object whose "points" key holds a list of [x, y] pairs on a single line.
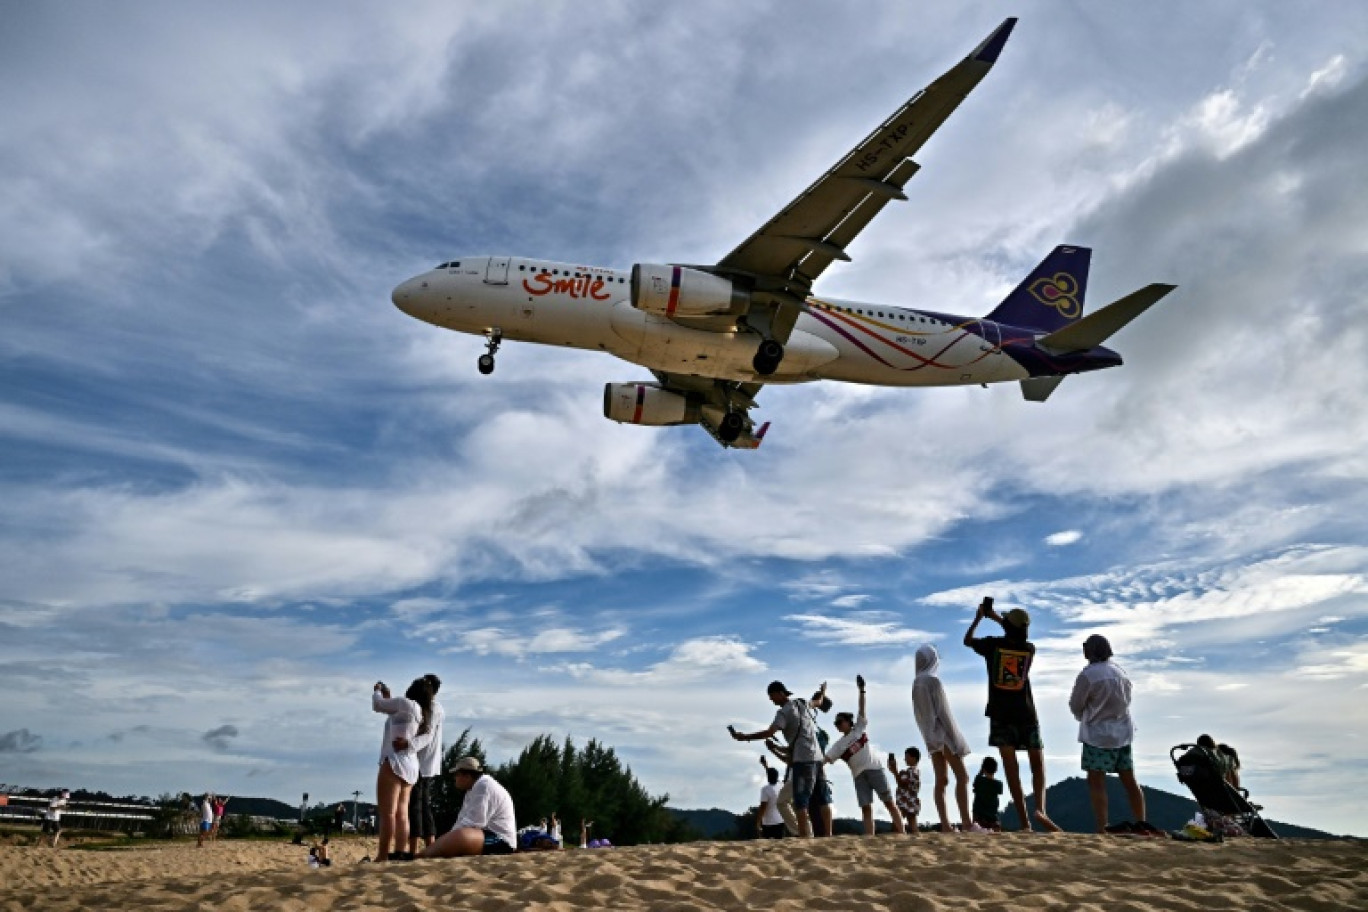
{"points": [[988, 51]]}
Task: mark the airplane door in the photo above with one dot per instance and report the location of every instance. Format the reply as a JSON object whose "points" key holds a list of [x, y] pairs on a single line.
{"points": [[496, 273]]}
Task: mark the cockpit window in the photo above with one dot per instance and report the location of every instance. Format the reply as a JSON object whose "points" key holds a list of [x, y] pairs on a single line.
{"points": [[448, 266], [441, 266]]}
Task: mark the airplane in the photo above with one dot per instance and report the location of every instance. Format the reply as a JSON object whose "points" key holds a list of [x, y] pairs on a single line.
{"points": [[713, 336]]}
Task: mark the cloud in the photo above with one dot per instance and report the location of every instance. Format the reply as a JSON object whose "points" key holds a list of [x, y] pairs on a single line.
{"points": [[221, 738], [696, 659], [20, 741], [1061, 539], [859, 630], [498, 641]]}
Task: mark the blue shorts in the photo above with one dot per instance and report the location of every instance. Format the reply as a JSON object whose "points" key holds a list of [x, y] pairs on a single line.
{"points": [[803, 775], [205, 826], [494, 845]]}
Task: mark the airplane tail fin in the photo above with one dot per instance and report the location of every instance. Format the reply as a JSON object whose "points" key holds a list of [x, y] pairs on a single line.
{"points": [[1051, 297], [1096, 328]]}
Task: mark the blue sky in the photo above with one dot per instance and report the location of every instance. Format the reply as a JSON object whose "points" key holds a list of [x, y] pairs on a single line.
{"points": [[237, 486]]}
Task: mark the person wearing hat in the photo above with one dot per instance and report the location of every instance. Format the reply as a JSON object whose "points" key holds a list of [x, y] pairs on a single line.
{"points": [[805, 758], [486, 825], [1100, 702], [1011, 712]]}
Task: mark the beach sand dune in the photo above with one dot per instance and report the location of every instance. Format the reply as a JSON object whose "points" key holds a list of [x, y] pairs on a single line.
{"points": [[931, 873]]}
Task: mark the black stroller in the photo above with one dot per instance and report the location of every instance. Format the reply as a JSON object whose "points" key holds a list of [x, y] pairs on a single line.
{"points": [[1202, 773]]}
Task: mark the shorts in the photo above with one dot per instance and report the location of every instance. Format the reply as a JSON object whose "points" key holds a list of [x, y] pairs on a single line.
{"points": [[821, 792], [1020, 737], [494, 845], [772, 831], [206, 826], [1107, 759], [804, 777], [867, 783], [52, 827]]}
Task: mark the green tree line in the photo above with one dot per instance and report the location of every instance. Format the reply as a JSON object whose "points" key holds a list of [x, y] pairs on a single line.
{"points": [[576, 784]]}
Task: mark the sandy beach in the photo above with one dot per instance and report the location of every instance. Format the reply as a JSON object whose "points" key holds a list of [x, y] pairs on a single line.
{"points": [[932, 873]]}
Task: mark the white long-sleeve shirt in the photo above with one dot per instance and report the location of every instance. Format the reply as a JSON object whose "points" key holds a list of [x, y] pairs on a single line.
{"points": [[1101, 703], [429, 746], [488, 806], [403, 716], [854, 748]]}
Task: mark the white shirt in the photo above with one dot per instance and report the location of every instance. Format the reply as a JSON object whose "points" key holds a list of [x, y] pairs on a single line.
{"points": [[488, 806], [402, 722], [1101, 703], [54, 809], [854, 748], [207, 810], [429, 746], [769, 800]]}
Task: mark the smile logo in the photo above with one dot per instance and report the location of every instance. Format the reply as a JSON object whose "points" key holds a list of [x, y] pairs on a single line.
{"points": [[1058, 292]]}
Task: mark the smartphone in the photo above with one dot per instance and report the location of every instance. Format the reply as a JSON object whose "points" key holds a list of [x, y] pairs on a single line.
{"points": [[987, 602]]}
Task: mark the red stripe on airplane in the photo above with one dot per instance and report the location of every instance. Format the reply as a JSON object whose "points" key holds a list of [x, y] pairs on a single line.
{"points": [[674, 292], [641, 403]]}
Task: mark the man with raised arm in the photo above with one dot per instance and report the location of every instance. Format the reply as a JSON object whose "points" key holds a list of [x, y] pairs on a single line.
{"points": [[1013, 724], [854, 748], [795, 722]]}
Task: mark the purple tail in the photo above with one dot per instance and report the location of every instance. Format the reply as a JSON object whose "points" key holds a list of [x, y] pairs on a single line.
{"points": [[1051, 297]]}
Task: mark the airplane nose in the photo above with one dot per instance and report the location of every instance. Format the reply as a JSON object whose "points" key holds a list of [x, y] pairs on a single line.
{"points": [[404, 295]]}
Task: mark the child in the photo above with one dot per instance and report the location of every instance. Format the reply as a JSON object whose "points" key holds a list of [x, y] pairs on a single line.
{"points": [[909, 787], [986, 792]]}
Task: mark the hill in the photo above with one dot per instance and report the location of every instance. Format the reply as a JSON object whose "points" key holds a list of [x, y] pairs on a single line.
{"points": [[1068, 801]]}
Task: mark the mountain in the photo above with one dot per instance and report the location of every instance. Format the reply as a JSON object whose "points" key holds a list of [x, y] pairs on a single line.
{"points": [[1069, 804], [1071, 808]]}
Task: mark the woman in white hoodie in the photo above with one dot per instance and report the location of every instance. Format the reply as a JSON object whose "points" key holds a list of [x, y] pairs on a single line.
{"points": [[945, 743]]}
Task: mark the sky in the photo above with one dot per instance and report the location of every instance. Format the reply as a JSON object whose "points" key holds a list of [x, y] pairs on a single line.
{"points": [[237, 486]]}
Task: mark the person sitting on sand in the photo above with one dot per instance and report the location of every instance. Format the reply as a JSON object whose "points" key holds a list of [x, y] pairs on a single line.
{"points": [[1100, 702], [986, 791], [854, 748], [945, 743], [769, 823], [486, 825], [1011, 709], [795, 722], [52, 817], [318, 855], [908, 795]]}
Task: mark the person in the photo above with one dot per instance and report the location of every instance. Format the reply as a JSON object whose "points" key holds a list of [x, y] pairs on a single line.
{"points": [[784, 802], [555, 830], [486, 824], [405, 716], [854, 748], [220, 804], [584, 833], [52, 817], [1013, 724], [945, 743], [339, 817], [1100, 701], [1232, 763], [318, 855], [986, 791], [769, 823], [422, 825], [908, 795], [206, 818], [794, 721]]}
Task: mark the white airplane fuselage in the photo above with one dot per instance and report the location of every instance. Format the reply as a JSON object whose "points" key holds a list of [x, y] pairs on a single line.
{"points": [[590, 307]]}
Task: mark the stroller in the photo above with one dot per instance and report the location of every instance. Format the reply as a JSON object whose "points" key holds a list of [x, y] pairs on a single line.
{"points": [[1202, 773]]}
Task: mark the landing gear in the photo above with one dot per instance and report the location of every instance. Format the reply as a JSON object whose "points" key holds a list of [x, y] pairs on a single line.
{"points": [[494, 337], [767, 357], [733, 423]]}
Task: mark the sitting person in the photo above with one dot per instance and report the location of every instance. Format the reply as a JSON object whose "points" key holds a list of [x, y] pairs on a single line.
{"points": [[318, 855], [486, 825]]}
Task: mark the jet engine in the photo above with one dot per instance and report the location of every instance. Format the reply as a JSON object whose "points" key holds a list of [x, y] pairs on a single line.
{"points": [[646, 403], [672, 291]]}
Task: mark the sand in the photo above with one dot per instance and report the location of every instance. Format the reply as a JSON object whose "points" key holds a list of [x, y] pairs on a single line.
{"points": [[931, 872]]}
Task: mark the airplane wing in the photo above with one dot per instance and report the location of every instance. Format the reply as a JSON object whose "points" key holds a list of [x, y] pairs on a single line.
{"points": [[717, 399], [787, 255]]}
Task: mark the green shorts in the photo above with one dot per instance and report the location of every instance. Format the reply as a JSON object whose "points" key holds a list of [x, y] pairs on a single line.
{"points": [[1107, 759], [1007, 734]]}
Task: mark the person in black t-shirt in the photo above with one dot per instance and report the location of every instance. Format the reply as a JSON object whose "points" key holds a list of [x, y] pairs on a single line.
{"points": [[1011, 710]]}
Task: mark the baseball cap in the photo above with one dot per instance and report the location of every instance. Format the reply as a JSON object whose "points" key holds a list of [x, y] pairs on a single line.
{"points": [[1018, 617], [778, 687]]}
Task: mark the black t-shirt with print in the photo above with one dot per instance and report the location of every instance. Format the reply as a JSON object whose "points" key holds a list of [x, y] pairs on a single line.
{"points": [[1009, 684]]}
